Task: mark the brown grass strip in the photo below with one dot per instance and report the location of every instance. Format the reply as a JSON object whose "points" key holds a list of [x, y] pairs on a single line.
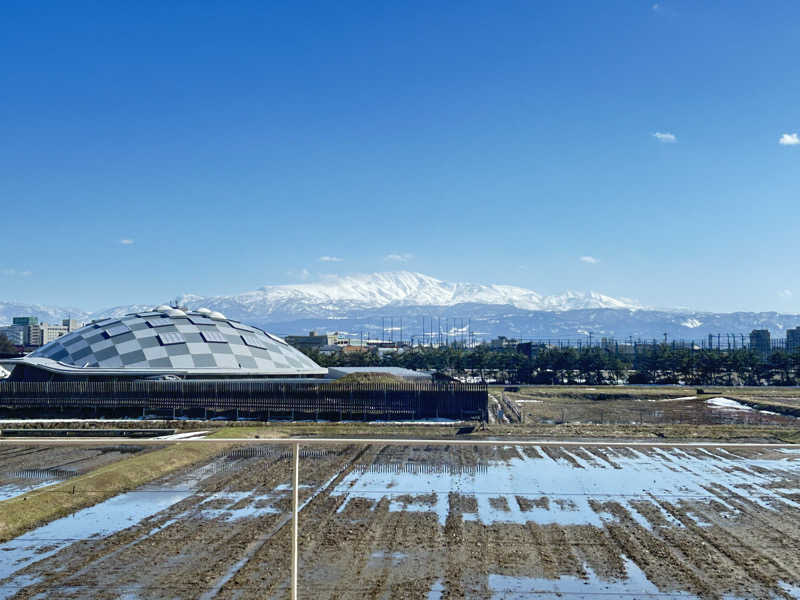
{"points": [[28, 511]]}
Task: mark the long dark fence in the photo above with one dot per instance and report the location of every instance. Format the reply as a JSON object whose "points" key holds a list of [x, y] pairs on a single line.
{"points": [[261, 399]]}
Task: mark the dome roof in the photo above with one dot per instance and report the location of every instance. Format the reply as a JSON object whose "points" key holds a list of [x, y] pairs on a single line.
{"points": [[175, 341]]}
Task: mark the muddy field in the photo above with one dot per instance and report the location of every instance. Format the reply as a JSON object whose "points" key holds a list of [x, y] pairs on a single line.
{"points": [[435, 522], [25, 468], [649, 406]]}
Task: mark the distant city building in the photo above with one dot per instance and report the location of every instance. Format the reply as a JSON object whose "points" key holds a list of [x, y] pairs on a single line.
{"points": [[25, 321], [760, 341], [50, 333], [793, 339], [503, 342], [28, 331], [72, 325], [312, 341], [407, 374], [330, 349], [33, 335], [353, 348], [15, 334], [31, 331]]}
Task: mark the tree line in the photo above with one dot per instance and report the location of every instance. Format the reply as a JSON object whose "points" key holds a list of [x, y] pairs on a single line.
{"points": [[648, 364], [6, 347]]}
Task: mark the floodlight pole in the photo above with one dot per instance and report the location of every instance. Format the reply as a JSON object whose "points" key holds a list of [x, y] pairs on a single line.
{"points": [[295, 488]]}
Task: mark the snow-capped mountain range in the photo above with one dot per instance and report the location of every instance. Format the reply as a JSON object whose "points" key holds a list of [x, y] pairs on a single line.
{"points": [[360, 302], [338, 296]]}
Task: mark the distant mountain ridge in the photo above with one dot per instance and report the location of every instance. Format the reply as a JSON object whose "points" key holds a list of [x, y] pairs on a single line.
{"points": [[360, 302], [339, 296], [45, 314]]}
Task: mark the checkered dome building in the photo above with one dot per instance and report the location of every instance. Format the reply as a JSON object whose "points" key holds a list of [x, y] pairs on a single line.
{"points": [[167, 340]]}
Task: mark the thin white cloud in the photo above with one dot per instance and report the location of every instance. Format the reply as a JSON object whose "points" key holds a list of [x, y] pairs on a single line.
{"points": [[785, 293], [665, 138], [15, 273], [126, 241], [591, 260], [330, 259], [301, 274], [398, 257], [789, 139]]}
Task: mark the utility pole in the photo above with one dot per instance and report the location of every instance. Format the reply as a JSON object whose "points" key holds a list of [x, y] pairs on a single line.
{"points": [[295, 498]]}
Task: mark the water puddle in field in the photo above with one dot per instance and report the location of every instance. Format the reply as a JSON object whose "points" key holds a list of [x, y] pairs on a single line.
{"points": [[11, 490], [100, 520], [232, 506], [634, 585], [95, 522], [569, 486], [380, 558], [437, 590]]}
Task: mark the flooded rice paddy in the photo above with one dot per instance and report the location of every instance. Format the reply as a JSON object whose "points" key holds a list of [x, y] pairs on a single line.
{"points": [[433, 522]]}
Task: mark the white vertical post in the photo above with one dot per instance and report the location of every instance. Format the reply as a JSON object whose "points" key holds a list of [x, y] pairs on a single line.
{"points": [[295, 489]]}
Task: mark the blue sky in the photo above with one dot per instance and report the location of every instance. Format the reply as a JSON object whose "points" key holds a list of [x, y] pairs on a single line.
{"points": [[156, 148]]}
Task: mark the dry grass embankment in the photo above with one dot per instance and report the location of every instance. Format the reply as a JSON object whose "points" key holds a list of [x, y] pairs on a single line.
{"points": [[41, 506], [588, 432], [369, 378]]}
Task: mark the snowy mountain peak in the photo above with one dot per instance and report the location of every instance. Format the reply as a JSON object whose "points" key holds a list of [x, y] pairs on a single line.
{"points": [[340, 294]]}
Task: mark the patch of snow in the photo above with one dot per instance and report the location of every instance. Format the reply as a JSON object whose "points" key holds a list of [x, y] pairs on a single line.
{"points": [[728, 404], [183, 436]]}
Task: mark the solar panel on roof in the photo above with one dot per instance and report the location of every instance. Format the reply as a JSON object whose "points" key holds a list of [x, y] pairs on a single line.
{"points": [[105, 322], [242, 326], [254, 341], [201, 320], [160, 322], [213, 336], [171, 338], [117, 330]]}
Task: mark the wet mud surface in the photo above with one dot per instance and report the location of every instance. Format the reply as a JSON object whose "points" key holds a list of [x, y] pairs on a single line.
{"points": [[435, 522], [23, 468]]}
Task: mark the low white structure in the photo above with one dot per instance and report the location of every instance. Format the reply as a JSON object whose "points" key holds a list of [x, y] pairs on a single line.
{"points": [[408, 374], [160, 343]]}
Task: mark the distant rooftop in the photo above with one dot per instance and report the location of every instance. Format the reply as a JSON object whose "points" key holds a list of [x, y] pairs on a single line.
{"points": [[338, 372]]}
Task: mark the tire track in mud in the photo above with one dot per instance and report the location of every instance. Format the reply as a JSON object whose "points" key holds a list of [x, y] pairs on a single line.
{"points": [[86, 560], [759, 567], [379, 580], [790, 520], [456, 564], [245, 567], [399, 560], [367, 551], [384, 539], [649, 553]]}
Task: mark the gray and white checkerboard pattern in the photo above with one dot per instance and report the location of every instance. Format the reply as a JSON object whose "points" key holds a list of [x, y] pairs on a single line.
{"points": [[150, 341]]}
